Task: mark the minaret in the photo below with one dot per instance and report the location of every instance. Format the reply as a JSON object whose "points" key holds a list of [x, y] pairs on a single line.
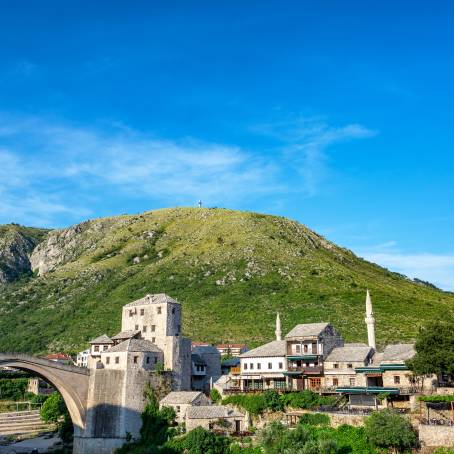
{"points": [[278, 331], [370, 321]]}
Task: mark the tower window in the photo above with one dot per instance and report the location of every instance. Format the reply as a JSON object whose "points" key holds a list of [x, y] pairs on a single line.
{"points": [[117, 360], [153, 340], [142, 311], [144, 329], [136, 359], [107, 359], [159, 309], [153, 328]]}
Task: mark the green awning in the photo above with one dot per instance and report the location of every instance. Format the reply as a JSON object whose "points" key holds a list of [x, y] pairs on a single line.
{"points": [[299, 357], [368, 390]]}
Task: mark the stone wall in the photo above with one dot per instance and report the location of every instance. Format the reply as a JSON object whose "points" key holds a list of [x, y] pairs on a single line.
{"points": [[436, 435]]}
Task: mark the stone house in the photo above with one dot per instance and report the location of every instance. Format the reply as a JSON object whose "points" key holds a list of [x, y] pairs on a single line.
{"points": [[307, 346], [215, 417], [133, 354], [263, 367], [98, 345], [180, 401], [341, 363]]}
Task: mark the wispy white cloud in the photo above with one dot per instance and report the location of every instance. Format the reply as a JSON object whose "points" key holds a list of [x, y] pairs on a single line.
{"points": [[52, 169], [435, 268], [305, 142]]}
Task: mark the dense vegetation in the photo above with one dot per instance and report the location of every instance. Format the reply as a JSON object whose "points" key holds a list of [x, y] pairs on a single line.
{"points": [[54, 411], [231, 270], [435, 349], [13, 389], [270, 400], [312, 435]]}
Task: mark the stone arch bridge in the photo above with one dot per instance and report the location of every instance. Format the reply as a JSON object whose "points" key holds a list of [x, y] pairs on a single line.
{"points": [[105, 405], [71, 382]]}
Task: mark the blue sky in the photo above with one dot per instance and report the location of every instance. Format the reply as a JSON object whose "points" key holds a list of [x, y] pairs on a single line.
{"points": [[337, 114]]}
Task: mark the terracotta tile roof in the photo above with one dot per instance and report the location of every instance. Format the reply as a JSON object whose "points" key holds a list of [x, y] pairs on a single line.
{"points": [[55, 356]]}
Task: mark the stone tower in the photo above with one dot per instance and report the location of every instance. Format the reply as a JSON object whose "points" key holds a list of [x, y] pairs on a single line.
{"points": [[370, 321], [278, 331]]}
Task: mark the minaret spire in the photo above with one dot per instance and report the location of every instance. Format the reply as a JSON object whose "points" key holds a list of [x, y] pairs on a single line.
{"points": [[278, 331], [370, 321]]}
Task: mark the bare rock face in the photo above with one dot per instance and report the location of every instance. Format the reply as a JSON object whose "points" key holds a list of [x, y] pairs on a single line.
{"points": [[66, 245], [16, 245]]}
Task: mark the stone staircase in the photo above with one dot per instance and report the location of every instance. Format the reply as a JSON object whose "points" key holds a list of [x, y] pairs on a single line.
{"points": [[22, 422]]}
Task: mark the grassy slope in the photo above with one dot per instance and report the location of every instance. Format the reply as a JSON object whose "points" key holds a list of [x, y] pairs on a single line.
{"points": [[266, 264]]}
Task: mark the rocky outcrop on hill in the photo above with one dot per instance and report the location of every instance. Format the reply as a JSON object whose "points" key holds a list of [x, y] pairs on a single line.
{"points": [[16, 245]]}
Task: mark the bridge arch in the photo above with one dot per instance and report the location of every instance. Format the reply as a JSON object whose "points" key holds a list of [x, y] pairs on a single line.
{"points": [[70, 381]]}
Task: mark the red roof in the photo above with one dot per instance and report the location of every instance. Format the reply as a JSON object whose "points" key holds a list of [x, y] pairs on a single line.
{"points": [[55, 356], [200, 344], [231, 346]]}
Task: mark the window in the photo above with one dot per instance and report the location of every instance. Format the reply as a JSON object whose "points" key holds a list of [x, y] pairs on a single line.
{"points": [[137, 327], [396, 379], [105, 347], [142, 311], [306, 348], [148, 360], [155, 359], [335, 382], [153, 340], [336, 366], [297, 348], [251, 366], [352, 382], [131, 313], [173, 310], [178, 409], [136, 359], [270, 365], [144, 329], [314, 347], [245, 366], [153, 328], [281, 366], [96, 348], [159, 309], [117, 360], [350, 365], [259, 366], [107, 359]]}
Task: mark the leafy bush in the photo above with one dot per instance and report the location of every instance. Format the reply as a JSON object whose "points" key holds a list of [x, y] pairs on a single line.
{"points": [[437, 398], [203, 441], [215, 395], [306, 400], [386, 429], [273, 401], [253, 403], [53, 408], [315, 419]]}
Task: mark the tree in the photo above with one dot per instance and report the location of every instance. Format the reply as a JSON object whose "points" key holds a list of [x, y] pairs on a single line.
{"points": [[434, 349], [203, 441], [54, 410], [386, 429]]}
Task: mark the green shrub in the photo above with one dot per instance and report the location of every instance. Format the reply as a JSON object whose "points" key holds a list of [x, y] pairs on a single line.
{"points": [[253, 403], [53, 409], [203, 441], [273, 400], [315, 419], [306, 400], [386, 429], [215, 395]]}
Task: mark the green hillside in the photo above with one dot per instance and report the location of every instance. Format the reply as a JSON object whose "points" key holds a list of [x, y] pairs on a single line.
{"points": [[230, 270]]}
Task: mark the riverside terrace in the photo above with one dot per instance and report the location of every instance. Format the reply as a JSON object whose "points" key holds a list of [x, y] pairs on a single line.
{"points": [[314, 356]]}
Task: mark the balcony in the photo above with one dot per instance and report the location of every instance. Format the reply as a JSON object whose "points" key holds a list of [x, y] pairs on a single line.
{"points": [[305, 370]]}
